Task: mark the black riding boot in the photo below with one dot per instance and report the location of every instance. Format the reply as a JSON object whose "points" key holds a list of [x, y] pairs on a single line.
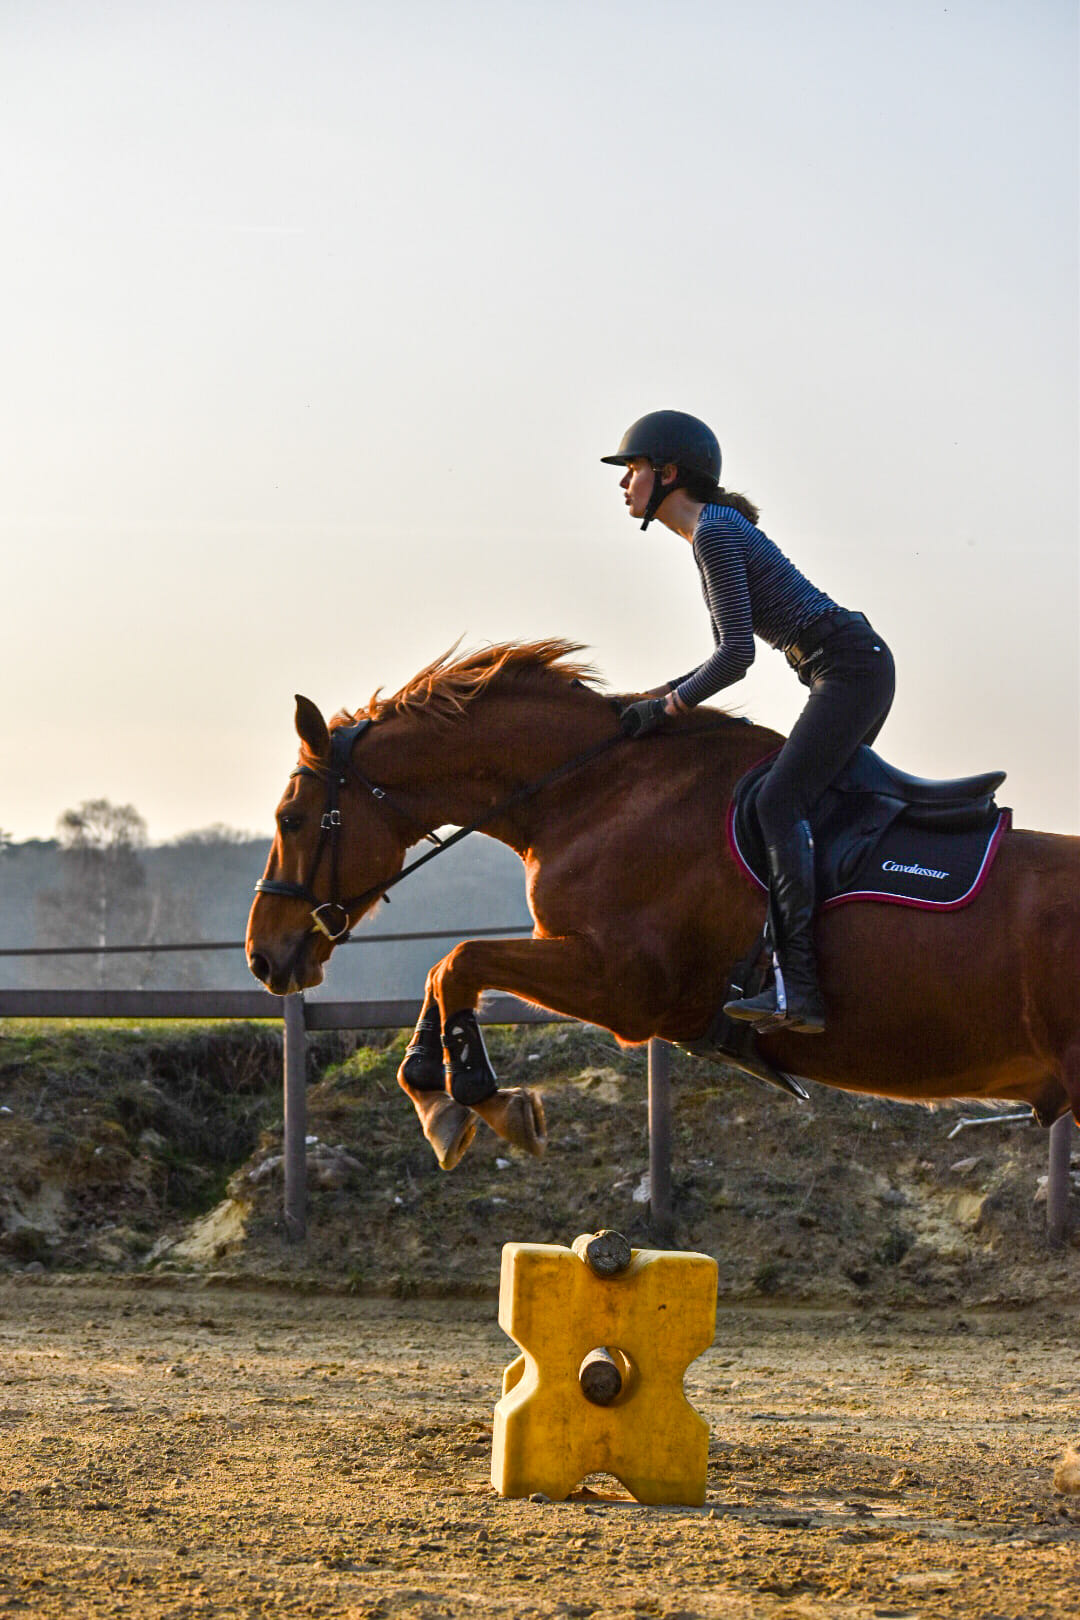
{"points": [[794, 1001]]}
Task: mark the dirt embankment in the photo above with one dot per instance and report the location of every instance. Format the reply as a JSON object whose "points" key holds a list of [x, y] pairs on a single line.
{"points": [[159, 1149]]}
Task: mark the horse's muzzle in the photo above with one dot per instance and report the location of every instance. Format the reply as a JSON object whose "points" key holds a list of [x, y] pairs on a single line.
{"points": [[285, 972]]}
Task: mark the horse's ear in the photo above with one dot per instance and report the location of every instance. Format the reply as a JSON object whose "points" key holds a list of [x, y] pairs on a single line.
{"points": [[311, 728]]}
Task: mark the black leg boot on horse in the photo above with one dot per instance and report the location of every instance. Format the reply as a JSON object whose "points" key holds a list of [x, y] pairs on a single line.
{"points": [[516, 1114], [448, 1125], [794, 1001]]}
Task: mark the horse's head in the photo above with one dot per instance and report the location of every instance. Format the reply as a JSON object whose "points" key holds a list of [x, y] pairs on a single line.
{"points": [[338, 841], [445, 749]]}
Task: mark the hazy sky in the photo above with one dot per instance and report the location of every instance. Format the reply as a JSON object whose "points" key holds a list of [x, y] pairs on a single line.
{"points": [[317, 317]]}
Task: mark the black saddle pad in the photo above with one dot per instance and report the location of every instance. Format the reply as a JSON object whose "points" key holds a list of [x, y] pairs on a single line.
{"points": [[872, 845]]}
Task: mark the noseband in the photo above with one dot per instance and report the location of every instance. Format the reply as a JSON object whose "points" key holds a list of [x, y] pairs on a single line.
{"points": [[331, 917]]}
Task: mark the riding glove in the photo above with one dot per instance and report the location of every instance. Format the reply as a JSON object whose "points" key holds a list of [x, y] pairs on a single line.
{"points": [[638, 719]]}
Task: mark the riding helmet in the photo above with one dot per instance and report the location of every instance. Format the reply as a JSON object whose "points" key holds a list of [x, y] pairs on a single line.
{"points": [[664, 436]]}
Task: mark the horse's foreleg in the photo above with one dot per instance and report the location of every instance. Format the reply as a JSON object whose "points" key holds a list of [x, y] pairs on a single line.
{"points": [[516, 1114], [447, 1124], [556, 973]]}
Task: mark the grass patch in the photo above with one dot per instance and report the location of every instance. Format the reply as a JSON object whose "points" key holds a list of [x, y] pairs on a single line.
{"points": [[126, 1124]]}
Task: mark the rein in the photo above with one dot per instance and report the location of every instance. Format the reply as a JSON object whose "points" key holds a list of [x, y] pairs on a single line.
{"points": [[342, 742]]}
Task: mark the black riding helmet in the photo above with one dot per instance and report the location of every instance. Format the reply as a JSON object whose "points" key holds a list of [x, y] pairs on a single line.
{"points": [[665, 436]]}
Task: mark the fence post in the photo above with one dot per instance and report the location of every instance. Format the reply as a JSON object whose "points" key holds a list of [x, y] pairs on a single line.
{"points": [[294, 1145], [660, 1137], [1058, 1179]]}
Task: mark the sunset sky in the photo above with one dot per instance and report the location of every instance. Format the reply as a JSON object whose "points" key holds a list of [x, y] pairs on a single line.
{"points": [[317, 320]]}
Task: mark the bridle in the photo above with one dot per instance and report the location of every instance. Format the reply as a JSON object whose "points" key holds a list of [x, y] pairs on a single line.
{"points": [[331, 917]]}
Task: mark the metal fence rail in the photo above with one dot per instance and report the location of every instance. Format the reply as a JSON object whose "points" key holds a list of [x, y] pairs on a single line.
{"points": [[195, 946], [249, 1004]]}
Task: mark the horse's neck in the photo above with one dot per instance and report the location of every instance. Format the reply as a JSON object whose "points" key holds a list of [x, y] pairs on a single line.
{"points": [[499, 745]]}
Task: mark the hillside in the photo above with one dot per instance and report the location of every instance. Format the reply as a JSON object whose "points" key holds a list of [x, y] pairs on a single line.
{"points": [[157, 1150]]}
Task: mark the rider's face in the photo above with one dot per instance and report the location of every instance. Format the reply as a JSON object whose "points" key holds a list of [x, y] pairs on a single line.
{"points": [[636, 485]]}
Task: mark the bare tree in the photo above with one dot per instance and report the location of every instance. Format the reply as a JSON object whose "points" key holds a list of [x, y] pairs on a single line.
{"points": [[217, 835], [104, 898]]}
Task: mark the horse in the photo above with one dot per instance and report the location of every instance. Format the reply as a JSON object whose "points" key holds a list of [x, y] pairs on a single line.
{"points": [[638, 905]]}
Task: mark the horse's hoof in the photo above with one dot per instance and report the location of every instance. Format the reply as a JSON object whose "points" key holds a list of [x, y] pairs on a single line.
{"points": [[517, 1115], [450, 1131], [446, 1124]]}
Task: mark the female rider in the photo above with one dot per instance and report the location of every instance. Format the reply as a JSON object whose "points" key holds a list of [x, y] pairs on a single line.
{"points": [[672, 464]]}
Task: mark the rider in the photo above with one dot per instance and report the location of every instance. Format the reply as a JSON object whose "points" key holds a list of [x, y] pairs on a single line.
{"points": [[672, 473]]}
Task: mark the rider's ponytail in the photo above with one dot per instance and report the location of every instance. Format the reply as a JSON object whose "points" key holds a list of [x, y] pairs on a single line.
{"points": [[742, 504], [714, 494]]}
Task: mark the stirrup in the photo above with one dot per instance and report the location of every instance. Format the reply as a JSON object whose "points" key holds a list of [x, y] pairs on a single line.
{"points": [[754, 1010], [769, 1011]]}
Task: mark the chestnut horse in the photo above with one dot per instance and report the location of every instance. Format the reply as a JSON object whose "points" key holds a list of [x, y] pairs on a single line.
{"points": [[638, 905]]}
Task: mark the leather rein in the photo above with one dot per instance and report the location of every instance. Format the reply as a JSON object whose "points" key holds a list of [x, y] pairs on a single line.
{"points": [[331, 917]]}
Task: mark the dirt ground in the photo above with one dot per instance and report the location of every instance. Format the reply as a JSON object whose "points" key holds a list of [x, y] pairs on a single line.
{"points": [[178, 1448]]}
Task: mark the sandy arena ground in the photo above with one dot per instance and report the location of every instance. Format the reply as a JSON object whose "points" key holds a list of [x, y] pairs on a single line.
{"points": [[207, 1451]]}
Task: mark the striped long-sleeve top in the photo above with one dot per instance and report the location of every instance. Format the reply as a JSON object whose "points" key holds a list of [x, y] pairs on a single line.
{"points": [[750, 588]]}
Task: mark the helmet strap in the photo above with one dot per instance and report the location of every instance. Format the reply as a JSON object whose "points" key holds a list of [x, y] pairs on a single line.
{"points": [[660, 492]]}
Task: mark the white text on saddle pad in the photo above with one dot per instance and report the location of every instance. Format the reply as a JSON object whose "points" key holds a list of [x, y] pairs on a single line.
{"points": [[914, 871]]}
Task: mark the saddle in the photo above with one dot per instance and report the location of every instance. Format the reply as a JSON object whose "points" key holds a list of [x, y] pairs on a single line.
{"points": [[880, 834]]}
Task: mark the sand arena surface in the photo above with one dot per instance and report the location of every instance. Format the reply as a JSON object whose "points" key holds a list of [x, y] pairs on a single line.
{"points": [[207, 1451]]}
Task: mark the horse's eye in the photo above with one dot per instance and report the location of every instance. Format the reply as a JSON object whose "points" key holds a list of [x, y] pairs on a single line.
{"points": [[290, 823]]}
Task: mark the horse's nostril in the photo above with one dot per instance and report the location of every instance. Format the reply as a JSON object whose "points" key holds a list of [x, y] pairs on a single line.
{"points": [[259, 966]]}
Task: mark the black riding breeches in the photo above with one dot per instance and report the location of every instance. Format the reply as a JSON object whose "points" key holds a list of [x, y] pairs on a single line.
{"points": [[852, 679]]}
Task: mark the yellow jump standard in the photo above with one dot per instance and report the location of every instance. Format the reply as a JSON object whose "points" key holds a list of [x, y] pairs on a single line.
{"points": [[654, 1318]]}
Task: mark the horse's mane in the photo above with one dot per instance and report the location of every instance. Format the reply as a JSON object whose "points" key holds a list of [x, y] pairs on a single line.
{"points": [[443, 688]]}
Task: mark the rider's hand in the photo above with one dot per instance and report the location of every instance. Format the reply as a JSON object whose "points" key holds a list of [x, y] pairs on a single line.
{"points": [[638, 719]]}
